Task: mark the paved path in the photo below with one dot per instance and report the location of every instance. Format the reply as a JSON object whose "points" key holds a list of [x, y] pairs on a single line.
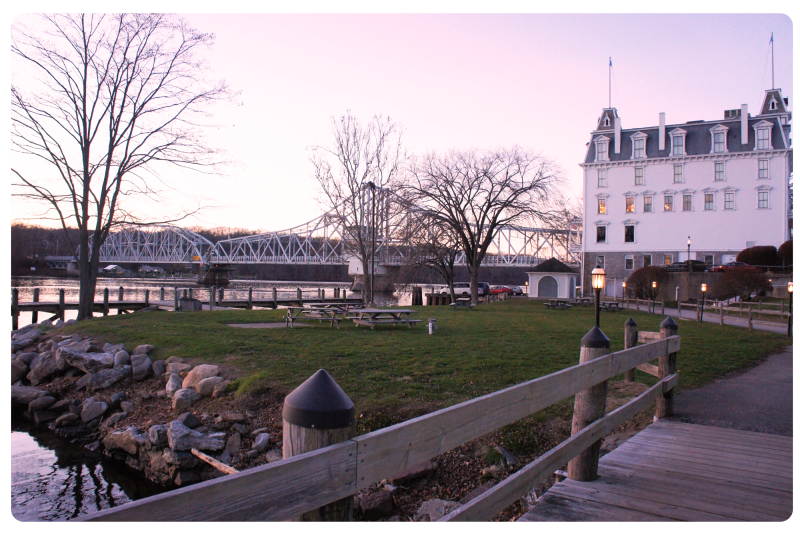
{"points": [[714, 318]]}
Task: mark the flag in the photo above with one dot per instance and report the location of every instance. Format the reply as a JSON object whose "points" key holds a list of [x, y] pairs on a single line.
{"points": [[609, 59]]}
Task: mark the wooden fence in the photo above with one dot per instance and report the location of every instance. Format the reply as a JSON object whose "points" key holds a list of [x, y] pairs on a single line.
{"points": [[284, 489]]}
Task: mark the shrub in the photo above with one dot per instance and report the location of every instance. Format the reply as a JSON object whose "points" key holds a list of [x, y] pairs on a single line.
{"points": [[761, 255], [785, 253], [741, 283], [641, 282]]}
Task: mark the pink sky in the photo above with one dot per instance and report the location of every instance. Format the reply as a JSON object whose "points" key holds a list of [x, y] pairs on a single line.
{"points": [[458, 81]]}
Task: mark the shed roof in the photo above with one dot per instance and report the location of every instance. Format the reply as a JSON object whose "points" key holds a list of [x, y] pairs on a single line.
{"points": [[552, 266]]}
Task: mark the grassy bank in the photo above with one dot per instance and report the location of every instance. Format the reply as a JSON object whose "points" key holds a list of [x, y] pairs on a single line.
{"points": [[396, 370]]}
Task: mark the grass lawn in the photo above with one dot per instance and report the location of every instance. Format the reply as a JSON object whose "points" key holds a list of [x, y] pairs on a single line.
{"points": [[398, 372]]}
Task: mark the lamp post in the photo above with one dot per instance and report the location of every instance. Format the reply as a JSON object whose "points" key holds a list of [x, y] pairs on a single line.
{"points": [[791, 291], [653, 300], [624, 285], [689, 253], [598, 281], [372, 224], [703, 289]]}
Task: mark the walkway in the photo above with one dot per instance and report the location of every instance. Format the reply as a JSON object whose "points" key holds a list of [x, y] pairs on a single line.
{"points": [[679, 471], [710, 317]]}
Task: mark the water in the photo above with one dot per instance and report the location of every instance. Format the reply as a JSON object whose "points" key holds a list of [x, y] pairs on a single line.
{"points": [[53, 479]]}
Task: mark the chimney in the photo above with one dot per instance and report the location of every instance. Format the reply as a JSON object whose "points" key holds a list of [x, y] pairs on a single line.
{"points": [[662, 130], [617, 134], [745, 126]]}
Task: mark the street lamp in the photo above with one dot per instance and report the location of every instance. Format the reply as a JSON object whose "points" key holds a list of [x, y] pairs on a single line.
{"points": [[689, 252], [791, 290], [598, 281], [654, 297], [703, 289], [624, 285]]}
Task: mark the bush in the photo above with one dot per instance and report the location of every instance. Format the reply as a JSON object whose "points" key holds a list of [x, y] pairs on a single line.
{"points": [[740, 283], [761, 255], [641, 282], [785, 253]]}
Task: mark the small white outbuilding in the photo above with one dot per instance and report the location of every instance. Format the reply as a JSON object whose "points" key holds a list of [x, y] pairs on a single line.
{"points": [[552, 279]]}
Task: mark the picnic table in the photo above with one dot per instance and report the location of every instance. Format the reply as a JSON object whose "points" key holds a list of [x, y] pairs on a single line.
{"points": [[462, 302], [610, 306], [558, 303], [584, 301], [330, 314], [376, 316]]}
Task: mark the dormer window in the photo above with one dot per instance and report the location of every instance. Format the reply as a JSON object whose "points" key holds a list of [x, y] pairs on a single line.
{"points": [[719, 139], [773, 105], [678, 146], [639, 141], [607, 122], [763, 135], [601, 148]]}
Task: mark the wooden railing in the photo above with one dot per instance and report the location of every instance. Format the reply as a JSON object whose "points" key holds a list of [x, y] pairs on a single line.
{"points": [[282, 490]]}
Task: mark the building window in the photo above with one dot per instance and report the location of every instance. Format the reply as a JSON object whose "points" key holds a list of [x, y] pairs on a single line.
{"points": [[601, 147], [677, 146], [601, 234], [709, 259], [667, 259], [762, 139], [763, 199], [648, 260], [648, 203], [667, 203], [629, 234], [719, 171], [709, 201], [687, 202], [719, 142], [629, 206], [601, 178], [639, 176], [677, 174], [763, 168], [629, 262], [601, 206], [719, 139], [638, 148], [601, 261], [729, 200], [608, 122]]}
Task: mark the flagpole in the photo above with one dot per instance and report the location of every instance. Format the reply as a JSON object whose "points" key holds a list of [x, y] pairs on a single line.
{"points": [[772, 48], [609, 80]]}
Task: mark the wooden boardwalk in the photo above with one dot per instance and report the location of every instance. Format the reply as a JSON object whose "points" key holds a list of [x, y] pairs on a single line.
{"points": [[677, 471]]}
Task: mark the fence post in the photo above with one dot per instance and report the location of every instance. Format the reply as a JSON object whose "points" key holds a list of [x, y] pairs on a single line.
{"points": [[759, 305], [589, 406], [190, 294], [212, 295], [35, 313], [61, 306], [162, 294], [323, 294], [667, 364], [679, 310], [344, 293], [300, 296], [722, 313], [105, 302], [318, 414], [221, 296], [663, 306], [274, 297], [121, 296], [750, 320], [146, 298], [697, 311], [630, 341], [14, 309], [250, 298], [781, 308]]}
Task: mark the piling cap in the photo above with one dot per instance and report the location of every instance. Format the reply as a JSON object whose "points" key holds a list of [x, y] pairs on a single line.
{"points": [[595, 339], [669, 323], [319, 403], [630, 323]]}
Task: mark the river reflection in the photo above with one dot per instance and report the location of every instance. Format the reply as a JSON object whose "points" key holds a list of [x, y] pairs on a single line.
{"points": [[53, 479]]}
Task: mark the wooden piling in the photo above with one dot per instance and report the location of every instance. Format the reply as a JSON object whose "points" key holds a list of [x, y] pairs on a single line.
{"points": [[315, 415], [221, 296], [300, 296], [274, 297], [250, 298], [121, 296], [162, 294], [667, 364], [176, 306], [14, 309], [344, 293], [146, 298], [630, 341], [190, 294], [323, 294], [105, 301], [590, 405], [61, 307], [35, 313], [212, 294]]}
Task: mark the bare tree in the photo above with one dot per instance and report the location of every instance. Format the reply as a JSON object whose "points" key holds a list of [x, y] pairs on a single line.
{"points": [[476, 192], [116, 96], [355, 175]]}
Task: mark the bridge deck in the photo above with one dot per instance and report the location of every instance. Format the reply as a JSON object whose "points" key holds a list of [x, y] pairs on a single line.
{"points": [[676, 471]]}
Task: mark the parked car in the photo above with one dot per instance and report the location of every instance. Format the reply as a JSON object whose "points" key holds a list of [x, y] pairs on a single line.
{"points": [[696, 266], [496, 290], [462, 289], [739, 266], [517, 290]]}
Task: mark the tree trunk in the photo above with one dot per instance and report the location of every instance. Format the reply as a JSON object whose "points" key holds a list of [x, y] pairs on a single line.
{"points": [[473, 284]]}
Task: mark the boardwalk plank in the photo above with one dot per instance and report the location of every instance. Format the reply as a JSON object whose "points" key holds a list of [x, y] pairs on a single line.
{"points": [[554, 508], [667, 441]]}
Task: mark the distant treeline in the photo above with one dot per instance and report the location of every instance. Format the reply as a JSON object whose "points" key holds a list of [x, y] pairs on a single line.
{"points": [[30, 244]]}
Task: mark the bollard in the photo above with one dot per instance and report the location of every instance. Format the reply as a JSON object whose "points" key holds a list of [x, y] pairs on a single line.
{"points": [[589, 406], [121, 296], [630, 341], [35, 313], [667, 365], [274, 297], [250, 298], [146, 298], [323, 294], [300, 296], [175, 306], [14, 309], [162, 294], [212, 294], [61, 306], [318, 414], [105, 301], [432, 326], [750, 320]]}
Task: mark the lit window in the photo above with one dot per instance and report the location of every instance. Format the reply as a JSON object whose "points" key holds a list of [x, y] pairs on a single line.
{"points": [[639, 174], [667, 203], [601, 261], [709, 201], [601, 206], [647, 260], [638, 148], [677, 146], [648, 203], [730, 200], [687, 202], [719, 171], [601, 178], [763, 199], [763, 168], [601, 234], [629, 234], [628, 262], [629, 206], [677, 174], [667, 259]]}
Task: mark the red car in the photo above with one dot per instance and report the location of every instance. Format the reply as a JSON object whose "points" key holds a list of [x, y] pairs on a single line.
{"points": [[501, 290], [735, 265]]}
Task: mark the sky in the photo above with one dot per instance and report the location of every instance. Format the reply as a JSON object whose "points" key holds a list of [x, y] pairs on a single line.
{"points": [[453, 81]]}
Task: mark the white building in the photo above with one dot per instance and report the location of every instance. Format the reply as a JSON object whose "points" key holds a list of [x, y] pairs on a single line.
{"points": [[724, 182]]}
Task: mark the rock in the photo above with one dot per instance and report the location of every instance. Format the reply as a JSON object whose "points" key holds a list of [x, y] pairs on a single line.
{"points": [[70, 322], [183, 478], [274, 455], [157, 477], [508, 459], [433, 510], [129, 440], [23, 395], [58, 324], [18, 370], [126, 406], [256, 432], [46, 324], [67, 419], [261, 442], [234, 444], [181, 438], [199, 373], [233, 417], [42, 417], [121, 358], [183, 375], [239, 428], [170, 360], [27, 358], [377, 505], [116, 399], [180, 459], [145, 395], [24, 340], [143, 349], [159, 367], [113, 348], [253, 454], [494, 471], [72, 373], [142, 367], [158, 436], [161, 394], [420, 470], [178, 367], [158, 463], [115, 418], [477, 491], [205, 387], [220, 389], [95, 446], [86, 362], [23, 330], [225, 457], [174, 384], [44, 368], [189, 420], [184, 398], [93, 409], [62, 405], [40, 404], [105, 378]]}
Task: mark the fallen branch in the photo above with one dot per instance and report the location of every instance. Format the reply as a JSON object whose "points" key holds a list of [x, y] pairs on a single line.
{"points": [[215, 463]]}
